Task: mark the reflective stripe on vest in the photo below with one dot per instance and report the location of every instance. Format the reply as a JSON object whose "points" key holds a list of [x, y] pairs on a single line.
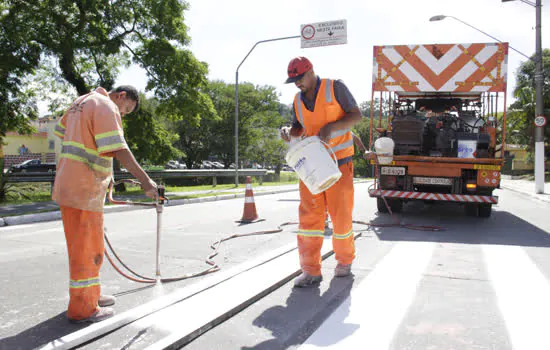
{"points": [[341, 141], [59, 130], [109, 141], [77, 152], [85, 283]]}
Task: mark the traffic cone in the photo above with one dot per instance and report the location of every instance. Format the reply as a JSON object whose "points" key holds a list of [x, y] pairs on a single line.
{"points": [[249, 215]]}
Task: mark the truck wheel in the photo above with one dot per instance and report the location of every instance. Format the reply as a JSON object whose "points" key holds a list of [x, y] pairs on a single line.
{"points": [[381, 205], [471, 209], [485, 210], [396, 205]]}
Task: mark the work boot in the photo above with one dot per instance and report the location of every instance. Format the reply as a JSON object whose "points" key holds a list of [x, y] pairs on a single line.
{"points": [[307, 280], [100, 315], [342, 270], [106, 300]]}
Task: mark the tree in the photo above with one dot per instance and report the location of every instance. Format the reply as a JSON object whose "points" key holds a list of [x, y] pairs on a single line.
{"points": [[90, 41], [259, 117], [145, 124], [520, 121]]}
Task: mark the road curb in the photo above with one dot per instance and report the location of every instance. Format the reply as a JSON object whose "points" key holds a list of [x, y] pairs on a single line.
{"points": [[56, 215]]}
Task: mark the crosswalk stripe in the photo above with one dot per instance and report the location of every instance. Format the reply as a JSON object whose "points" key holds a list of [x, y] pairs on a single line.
{"points": [[370, 316], [523, 296]]}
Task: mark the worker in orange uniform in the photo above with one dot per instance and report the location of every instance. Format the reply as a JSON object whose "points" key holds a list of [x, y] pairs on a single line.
{"points": [[325, 108], [92, 134]]}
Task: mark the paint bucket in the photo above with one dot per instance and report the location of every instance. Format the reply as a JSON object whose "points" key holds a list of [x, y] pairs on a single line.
{"points": [[384, 150], [467, 148], [313, 164]]}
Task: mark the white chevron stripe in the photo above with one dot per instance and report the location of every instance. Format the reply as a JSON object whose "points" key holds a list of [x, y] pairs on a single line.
{"points": [[440, 65]]}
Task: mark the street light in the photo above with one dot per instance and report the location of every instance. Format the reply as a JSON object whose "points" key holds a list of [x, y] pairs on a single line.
{"points": [[539, 109], [237, 102], [442, 17]]}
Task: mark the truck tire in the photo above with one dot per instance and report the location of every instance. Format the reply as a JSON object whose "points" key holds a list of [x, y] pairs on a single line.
{"points": [[485, 210], [381, 205], [395, 205], [471, 209]]}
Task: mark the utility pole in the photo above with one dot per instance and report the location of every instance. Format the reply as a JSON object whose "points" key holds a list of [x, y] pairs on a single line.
{"points": [[539, 102], [539, 106], [237, 102]]}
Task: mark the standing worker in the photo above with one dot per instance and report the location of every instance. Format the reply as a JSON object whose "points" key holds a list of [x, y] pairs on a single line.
{"points": [[92, 135], [325, 108]]}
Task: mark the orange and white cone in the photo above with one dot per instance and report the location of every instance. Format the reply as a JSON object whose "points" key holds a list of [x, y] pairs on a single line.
{"points": [[249, 214]]}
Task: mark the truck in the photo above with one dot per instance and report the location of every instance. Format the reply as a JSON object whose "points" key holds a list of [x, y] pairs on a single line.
{"points": [[448, 137], [33, 166]]}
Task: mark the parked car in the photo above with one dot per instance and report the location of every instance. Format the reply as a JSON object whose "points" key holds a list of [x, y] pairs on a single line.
{"points": [[33, 166], [174, 164]]}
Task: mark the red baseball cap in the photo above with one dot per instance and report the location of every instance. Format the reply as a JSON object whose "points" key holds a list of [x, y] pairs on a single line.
{"points": [[297, 68]]}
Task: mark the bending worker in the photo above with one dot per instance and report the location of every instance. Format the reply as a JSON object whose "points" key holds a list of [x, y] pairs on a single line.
{"points": [[325, 108], [92, 135]]}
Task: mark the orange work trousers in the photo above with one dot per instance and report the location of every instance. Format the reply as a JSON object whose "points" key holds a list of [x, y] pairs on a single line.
{"points": [[338, 199], [84, 236]]}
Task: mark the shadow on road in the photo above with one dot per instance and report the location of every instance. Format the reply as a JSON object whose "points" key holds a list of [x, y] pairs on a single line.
{"points": [[41, 334], [502, 228], [305, 310]]}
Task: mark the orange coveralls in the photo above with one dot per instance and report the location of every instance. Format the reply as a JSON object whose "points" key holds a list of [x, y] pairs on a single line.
{"points": [[91, 130], [338, 199]]}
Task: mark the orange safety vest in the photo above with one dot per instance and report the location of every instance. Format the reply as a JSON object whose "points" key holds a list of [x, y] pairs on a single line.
{"points": [[327, 110]]}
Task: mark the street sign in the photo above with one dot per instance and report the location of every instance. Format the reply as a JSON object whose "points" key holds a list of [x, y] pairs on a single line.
{"points": [[324, 34], [540, 121]]}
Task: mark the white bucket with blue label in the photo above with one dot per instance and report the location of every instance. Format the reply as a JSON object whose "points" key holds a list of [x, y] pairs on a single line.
{"points": [[467, 148], [313, 164]]}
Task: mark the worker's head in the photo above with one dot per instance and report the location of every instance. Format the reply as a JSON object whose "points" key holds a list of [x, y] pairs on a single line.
{"points": [[126, 98], [300, 72]]}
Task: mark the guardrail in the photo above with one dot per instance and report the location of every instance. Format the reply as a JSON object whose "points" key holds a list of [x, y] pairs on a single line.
{"points": [[155, 175]]}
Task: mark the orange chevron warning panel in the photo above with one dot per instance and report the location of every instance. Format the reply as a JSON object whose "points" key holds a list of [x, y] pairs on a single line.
{"points": [[464, 68], [249, 215]]}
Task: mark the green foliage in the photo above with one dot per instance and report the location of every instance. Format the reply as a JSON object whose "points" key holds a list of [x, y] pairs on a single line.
{"points": [[147, 137], [520, 120], [86, 43]]}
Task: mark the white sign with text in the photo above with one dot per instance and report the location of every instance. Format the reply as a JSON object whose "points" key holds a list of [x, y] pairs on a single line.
{"points": [[324, 33]]}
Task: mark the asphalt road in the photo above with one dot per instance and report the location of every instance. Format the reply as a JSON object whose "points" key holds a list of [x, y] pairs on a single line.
{"points": [[480, 284]]}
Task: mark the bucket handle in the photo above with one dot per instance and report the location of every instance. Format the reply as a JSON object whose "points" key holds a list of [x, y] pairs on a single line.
{"points": [[331, 151]]}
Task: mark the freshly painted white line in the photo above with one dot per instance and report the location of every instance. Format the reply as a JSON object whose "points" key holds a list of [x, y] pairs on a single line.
{"points": [[523, 296], [370, 316]]}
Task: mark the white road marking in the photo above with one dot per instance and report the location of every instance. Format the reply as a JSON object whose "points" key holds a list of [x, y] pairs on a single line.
{"points": [[522, 294], [370, 316]]}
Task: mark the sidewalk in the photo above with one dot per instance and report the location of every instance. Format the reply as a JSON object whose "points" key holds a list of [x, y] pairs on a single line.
{"points": [[527, 188]]}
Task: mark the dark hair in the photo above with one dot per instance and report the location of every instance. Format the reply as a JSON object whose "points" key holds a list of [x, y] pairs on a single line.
{"points": [[131, 92]]}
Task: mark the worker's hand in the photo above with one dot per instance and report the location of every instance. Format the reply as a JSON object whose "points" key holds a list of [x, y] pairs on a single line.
{"points": [[285, 133], [150, 189], [369, 155], [324, 133]]}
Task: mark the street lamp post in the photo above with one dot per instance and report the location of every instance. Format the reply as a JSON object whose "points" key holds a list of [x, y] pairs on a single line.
{"points": [[539, 109], [237, 102]]}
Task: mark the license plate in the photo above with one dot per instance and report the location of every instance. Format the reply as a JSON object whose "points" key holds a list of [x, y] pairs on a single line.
{"points": [[392, 170], [432, 181]]}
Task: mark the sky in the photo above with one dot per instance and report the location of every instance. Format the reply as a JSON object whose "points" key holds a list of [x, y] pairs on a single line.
{"points": [[223, 32]]}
